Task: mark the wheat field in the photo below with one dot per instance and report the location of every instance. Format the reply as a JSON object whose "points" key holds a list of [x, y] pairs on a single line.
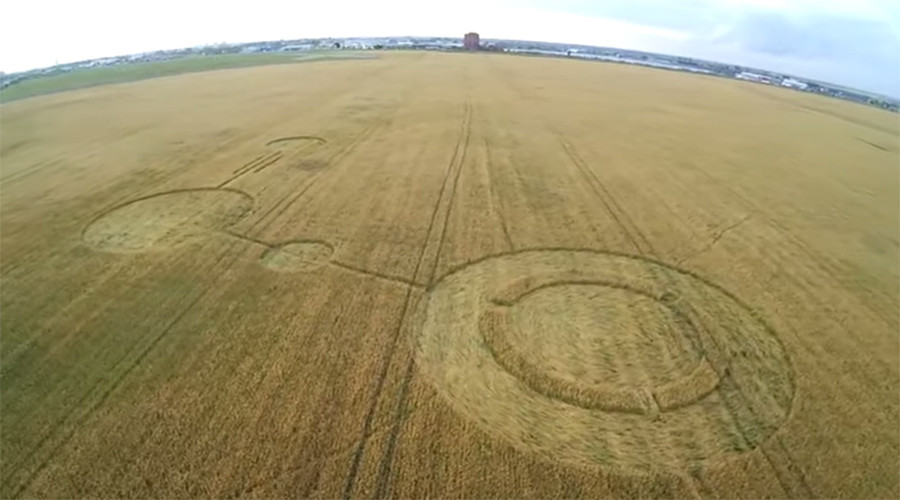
{"points": [[448, 276]]}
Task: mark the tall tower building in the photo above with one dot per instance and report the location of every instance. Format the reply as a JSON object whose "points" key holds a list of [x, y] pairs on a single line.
{"points": [[471, 41]]}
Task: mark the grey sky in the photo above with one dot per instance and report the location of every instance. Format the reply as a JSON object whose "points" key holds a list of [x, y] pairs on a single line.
{"points": [[851, 43]]}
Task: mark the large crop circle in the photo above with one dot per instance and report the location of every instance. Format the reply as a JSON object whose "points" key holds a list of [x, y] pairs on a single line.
{"points": [[601, 358], [166, 220]]}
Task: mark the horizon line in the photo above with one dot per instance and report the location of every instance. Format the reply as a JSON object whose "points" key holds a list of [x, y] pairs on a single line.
{"points": [[226, 43]]}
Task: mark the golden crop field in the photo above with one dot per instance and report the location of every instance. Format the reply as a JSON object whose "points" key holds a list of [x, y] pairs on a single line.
{"points": [[448, 276]]}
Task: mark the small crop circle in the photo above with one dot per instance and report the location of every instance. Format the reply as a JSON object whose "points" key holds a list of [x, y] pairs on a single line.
{"points": [[297, 256]]}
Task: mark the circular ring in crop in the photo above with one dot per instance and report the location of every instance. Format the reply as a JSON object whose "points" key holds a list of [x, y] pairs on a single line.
{"points": [[603, 358]]}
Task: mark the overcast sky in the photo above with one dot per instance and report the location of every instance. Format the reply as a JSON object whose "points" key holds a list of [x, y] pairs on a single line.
{"points": [[855, 43]]}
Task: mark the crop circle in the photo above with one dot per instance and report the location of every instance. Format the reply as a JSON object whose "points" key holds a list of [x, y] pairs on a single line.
{"points": [[295, 140], [600, 358], [166, 220], [297, 256]]}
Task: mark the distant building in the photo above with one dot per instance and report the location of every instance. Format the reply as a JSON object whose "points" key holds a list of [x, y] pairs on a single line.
{"points": [[298, 46], [471, 41], [794, 84], [753, 77]]}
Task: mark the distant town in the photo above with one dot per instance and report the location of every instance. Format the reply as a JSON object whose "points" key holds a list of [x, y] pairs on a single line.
{"points": [[472, 42]]}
